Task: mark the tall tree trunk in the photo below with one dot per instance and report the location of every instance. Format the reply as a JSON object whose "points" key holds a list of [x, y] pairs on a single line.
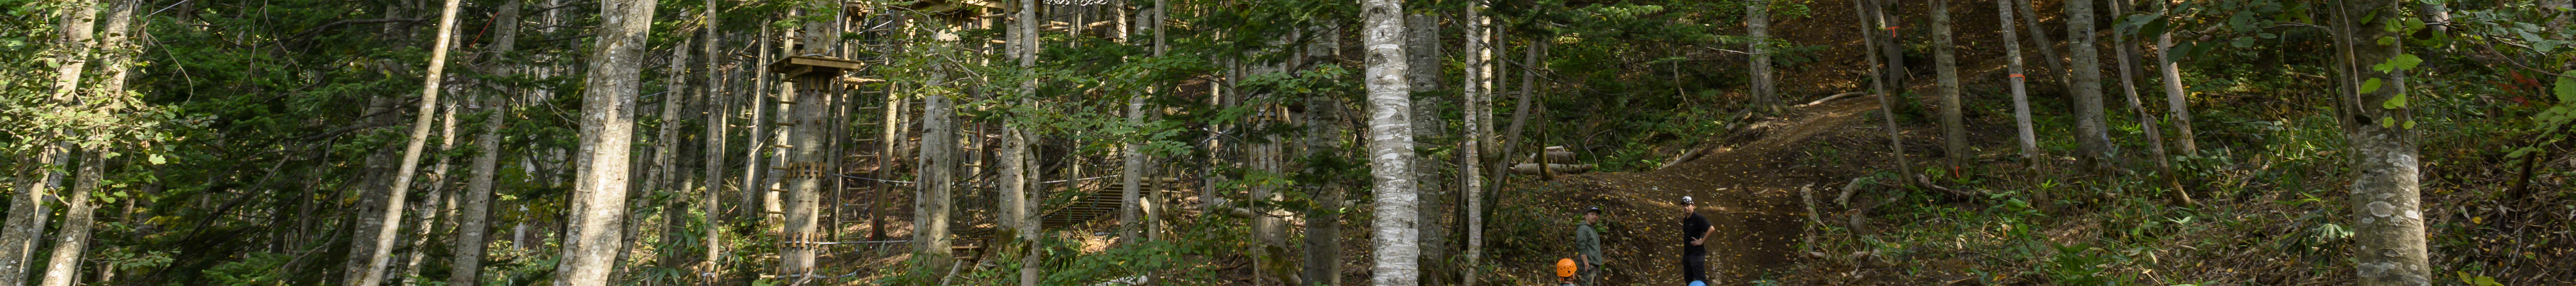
{"points": [[1511, 138], [2039, 38], [434, 207], [1323, 261], [1878, 84], [2020, 97], [718, 120], [1477, 123], [675, 176], [2093, 140], [382, 236], [1757, 25], [1891, 41], [1422, 51], [1154, 207], [370, 189], [607, 130], [1269, 232], [1390, 140], [753, 166], [809, 122], [1945, 64], [772, 210], [1130, 216], [938, 170], [2127, 58], [666, 174], [27, 208], [63, 269], [72, 239], [474, 207], [2174, 96], [1018, 179], [2389, 227]]}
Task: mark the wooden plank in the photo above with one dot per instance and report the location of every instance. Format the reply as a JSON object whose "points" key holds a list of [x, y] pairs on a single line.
{"points": [[800, 65]]}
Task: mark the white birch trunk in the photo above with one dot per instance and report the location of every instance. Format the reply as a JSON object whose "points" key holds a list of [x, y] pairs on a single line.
{"points": [[1477, 123], [1390, 145]]}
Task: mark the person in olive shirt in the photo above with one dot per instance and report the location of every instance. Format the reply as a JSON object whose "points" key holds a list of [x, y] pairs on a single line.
{"points": [[1587, 243], [1695, 233]]}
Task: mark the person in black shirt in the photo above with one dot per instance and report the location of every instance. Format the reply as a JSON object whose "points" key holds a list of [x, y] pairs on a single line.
{"points": [[1695, 233]]}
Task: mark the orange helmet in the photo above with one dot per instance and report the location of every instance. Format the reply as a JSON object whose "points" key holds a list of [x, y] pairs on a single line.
{"points": [[1565, 267]]}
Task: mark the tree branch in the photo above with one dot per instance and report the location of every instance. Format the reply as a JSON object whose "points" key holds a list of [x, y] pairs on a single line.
{"points": [[2490, 48], [307, 33]]}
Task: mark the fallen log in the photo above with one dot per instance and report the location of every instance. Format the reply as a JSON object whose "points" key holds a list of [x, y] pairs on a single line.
{"points": [[1532, 168], [1831, 98]]}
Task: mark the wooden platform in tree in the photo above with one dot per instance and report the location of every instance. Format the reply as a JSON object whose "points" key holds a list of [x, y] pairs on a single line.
{"points": [[801, 65], [940, 6]]}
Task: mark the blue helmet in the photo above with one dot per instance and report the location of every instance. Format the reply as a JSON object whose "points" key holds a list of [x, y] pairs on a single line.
{"points": [[1697, 283]]}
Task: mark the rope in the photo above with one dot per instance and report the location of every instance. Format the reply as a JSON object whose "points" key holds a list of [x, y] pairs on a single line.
{"points": [[874, 179], [965, 183], [1061, 181]]}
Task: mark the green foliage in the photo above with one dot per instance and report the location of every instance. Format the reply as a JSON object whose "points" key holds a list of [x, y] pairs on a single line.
{"points": [[257, 268], [2081, 264]]}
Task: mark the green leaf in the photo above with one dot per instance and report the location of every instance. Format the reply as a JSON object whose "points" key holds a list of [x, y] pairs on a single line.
{"points": [[2156, 27], [157, 160], [2369, 86], [2410, 124], [2387, 40], [2406, 61], [2566, 89], [2387, 122], [2394, 102], [2398, 63]]}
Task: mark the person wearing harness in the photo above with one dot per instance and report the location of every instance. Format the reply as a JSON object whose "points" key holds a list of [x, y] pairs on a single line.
{"points": [[1695, 233], [1587, 243]]}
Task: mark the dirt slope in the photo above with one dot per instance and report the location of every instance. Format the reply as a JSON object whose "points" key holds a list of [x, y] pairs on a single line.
{"points": [[1747, 190]]}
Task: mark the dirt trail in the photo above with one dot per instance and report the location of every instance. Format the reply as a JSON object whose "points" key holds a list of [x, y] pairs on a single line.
{"points": [[1747, 190]]}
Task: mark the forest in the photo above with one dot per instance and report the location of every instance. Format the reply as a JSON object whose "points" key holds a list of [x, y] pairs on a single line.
{"points": [[1288, 142]]}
